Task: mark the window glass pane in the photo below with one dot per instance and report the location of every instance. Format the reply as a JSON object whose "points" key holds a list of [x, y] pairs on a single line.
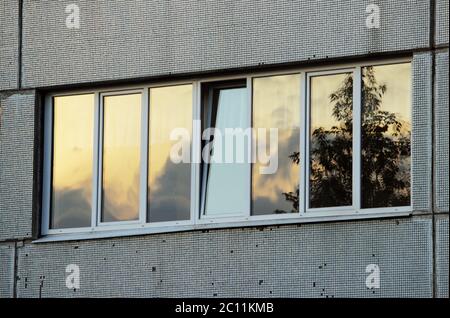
{"points": [[386, 136], [330, 183], [276, 104], [121, 148], [227, 181], [169, 188], [73, 129]]}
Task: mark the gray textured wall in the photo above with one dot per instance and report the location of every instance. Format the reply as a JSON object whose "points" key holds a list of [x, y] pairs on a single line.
{"points": [[7, 253], [312, 260], [123, 40], [17, 147], [421, 150], [9, 44], [442, 256], [441, 129], [442, 12], [132, 39]]}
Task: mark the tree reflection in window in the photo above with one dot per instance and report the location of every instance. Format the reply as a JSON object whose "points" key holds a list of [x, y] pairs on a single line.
{"points": [[386, 136], [330, 182], [386, 143]]}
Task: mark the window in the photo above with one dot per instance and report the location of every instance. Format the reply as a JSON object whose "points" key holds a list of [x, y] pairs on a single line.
{"points": [[169, 183], [330, 140], [386, 136], [225, 178], [276, 104], [285, 147], [120, 161], [73, 131], [107, 159]]}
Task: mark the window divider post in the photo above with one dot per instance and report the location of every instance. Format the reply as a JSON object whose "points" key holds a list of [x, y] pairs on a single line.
{"points": [[99, 187], [303, 151], [195, 152], [144, 157], [95, 162], [250, 153], [356, 134]]}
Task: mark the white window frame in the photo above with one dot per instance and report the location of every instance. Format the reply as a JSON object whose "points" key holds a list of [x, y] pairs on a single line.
{"points": [[98, 146], [196, 221], [204, 218], [356, 149]]}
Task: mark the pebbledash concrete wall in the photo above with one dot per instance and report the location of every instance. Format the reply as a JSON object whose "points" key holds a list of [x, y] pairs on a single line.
{"points": [[125, 41]]}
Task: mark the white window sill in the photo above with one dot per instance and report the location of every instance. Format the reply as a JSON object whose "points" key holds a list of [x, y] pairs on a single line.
{"points": [[217, 224]]}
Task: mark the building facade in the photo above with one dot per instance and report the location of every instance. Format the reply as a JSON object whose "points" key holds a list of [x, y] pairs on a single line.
{"points": [[51, 50]]}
